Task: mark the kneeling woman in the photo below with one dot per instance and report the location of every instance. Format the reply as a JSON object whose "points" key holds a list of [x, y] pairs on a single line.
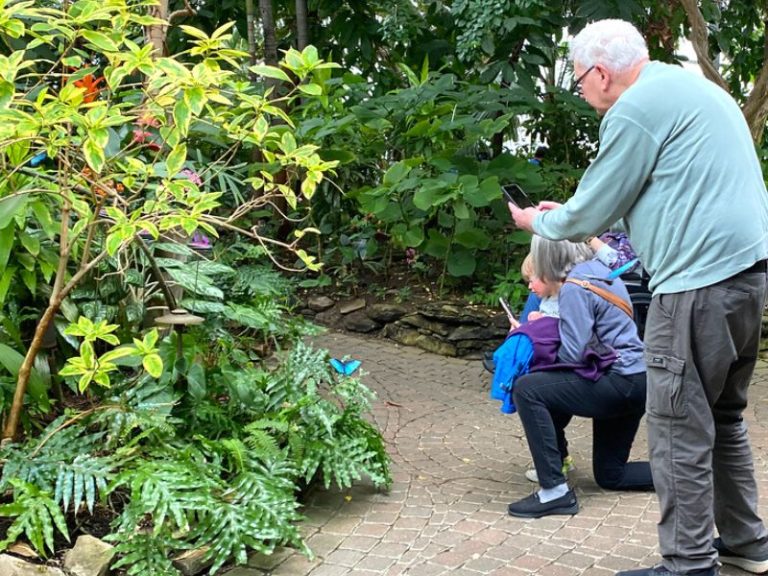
{"points": [[615, 401]]}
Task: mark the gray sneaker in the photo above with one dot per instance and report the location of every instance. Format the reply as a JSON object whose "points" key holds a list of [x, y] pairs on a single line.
{"points": [[754, 564], [568, 466]]}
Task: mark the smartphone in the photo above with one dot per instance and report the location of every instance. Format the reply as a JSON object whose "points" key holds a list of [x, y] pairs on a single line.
{"points": [[507, 309], [509, 198], [516, 195]]}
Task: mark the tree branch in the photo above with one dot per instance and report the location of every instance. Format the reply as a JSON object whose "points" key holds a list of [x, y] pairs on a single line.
{"points": [[700, 40]]}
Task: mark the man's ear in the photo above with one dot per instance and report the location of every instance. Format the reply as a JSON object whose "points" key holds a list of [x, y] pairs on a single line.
{"points": [[604, 74]]}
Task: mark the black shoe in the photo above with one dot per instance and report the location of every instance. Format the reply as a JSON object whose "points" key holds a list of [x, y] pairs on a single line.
{"points": [[531, 507], [754, 564], [661, 571], [488, 362]]}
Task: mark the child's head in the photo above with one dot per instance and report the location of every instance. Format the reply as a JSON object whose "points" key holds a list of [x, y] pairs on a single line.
{"points": [[526, 268]]}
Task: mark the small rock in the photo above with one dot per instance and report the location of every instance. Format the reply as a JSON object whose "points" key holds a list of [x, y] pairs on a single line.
{"points": [[12, 566], [89, 557], [359, 322], [320, 303], [352, 305], [384, 313], [192, 562], [23, 549]]}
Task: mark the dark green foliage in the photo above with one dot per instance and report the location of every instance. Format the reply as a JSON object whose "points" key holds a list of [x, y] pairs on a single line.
{"points": [[211, 453]]}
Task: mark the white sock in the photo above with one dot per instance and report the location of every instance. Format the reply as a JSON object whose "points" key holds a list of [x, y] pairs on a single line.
{"points": [[549, 494]]}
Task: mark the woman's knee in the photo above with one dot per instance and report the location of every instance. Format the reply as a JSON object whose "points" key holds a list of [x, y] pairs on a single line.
{"points": [[609, 478], [524, 389]]}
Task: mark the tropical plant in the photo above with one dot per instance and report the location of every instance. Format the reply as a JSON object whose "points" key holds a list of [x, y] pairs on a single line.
{"points": [[93, 162]]}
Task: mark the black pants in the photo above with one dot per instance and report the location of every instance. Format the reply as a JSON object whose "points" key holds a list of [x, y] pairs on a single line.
{"points": [[545, 402]]}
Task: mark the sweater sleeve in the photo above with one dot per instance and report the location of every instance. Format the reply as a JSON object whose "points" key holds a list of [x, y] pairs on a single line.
{"points": [[610, 185], [577, 322]]}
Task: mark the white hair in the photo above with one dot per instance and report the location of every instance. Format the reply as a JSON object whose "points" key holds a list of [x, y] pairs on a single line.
{"points": [[554, 259], [615, 44]]}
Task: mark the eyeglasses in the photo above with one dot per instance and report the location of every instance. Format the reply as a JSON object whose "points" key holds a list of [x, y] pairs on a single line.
{"points": [[576, 86]]}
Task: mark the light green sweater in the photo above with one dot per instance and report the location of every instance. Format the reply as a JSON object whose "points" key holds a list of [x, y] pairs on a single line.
{"points": [[677, 164]]}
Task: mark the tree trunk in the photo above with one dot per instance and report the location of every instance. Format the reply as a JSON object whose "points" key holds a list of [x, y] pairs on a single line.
{"points": [[302, 24], [156, 34], [755, 108], [270, 38], [250, 22]]}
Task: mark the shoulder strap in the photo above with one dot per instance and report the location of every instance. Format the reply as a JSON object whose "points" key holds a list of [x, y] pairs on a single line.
{"points": [[607, 294]]}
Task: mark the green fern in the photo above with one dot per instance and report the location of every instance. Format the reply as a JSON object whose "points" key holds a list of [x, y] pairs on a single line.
{"points": [[63, 460], [144, 555], [257, 513], [36, 516]]}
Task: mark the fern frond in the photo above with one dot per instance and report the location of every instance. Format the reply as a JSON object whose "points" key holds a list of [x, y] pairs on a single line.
{"points": [[143, 554], [257, 513], [36, 515], [82, 479]]}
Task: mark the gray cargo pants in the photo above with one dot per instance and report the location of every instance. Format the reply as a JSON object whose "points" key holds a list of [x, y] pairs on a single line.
{"points": [[701, 348]]}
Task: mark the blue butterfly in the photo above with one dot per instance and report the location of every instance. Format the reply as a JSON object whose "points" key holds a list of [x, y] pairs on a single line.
{"points": [[38, 159], [345, 368]]}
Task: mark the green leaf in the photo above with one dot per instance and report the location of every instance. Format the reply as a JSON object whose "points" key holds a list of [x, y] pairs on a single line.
{"points": [[269, 72], [461, 263], [10, 208], [6, 245], [114, 241], [311, 89], [182, 116], [99, 40], [94, 155], [396, 173], [196, 381], [30, 243], [176, 159], [153, 364]]}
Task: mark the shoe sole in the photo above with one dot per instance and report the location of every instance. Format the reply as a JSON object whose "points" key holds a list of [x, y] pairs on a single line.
{"points": [[561, 511], [754, 566]]}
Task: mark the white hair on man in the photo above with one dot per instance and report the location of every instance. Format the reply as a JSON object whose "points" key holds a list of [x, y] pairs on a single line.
{"points": [[615, 44]]}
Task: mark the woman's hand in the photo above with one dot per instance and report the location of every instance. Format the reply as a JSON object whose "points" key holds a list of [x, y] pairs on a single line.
{"points": [[535, 315]]}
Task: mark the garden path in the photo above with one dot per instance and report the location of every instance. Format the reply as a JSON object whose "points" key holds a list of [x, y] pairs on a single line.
{"points": [[457, 462]]}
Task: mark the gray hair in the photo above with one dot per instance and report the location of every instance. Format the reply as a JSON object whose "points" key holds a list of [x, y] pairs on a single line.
{"points": [[553, 260], [615, 44]]}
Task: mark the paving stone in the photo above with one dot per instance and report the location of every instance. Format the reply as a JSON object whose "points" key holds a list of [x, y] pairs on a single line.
{"points": [[456, 463]]}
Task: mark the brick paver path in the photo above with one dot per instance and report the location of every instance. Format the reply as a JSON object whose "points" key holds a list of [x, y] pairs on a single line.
{"points": [[457, 462]]}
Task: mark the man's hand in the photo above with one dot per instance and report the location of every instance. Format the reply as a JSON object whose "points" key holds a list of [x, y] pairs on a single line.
{"points": [[548, 205], [523, 218]]}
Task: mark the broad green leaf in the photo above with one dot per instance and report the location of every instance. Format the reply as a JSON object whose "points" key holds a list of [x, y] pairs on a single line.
{"points": [[182, 116], [461, 263], [196, 381], [94, 155], [311, 89], [30, 243], [5, 282], [153, 364], [176, 159], [269, 72], [6, 244], [114, 241], [100, 40], [396, 173], [10, 207]]}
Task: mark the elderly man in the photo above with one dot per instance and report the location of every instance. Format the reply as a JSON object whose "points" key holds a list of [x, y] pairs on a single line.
{"points": [[677, 167]]}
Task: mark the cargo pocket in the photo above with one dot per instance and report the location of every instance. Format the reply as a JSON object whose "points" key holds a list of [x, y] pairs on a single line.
{"points": [[665, 396]]}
